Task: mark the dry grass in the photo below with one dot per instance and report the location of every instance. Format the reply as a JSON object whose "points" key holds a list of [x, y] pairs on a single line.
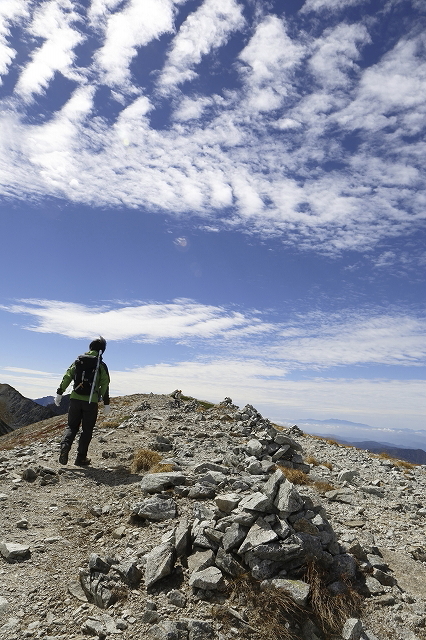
{"points": [[323, 486], [161, 468], [331, 611], [333, 442], [403, 464], [328, 465], [312, 460], [272, 614], [144, 460], [295, 476]]}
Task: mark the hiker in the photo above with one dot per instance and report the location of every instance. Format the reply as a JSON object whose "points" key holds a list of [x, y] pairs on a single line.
{"points": [[91, 383], [177, 397]]}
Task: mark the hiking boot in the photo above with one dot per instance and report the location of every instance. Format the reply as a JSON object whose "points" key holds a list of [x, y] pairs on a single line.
{"points": [[82, 462], [63, 456]]}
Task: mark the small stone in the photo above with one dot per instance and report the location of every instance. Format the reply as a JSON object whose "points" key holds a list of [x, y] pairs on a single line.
{"points": [[177, 598], [227, 502], [4, 604], [14, 550], [352, 629], [210, 578], [119, 533], [297, 589]]}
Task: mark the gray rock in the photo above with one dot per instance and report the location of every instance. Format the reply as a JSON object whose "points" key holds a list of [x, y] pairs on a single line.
{"points": [[209, 466], [101, 625], [227, 502], [271, 486], [182, 537], [297, 589], [129, 572], [200, 560], [288, 499], [177, 598], [168, 630], [201, 491], [97, 588], [281, 439], [230, 565], [347, 475], [209, 579], [254, 448], [199, 629], [373, 585], [14, 551], [352, 629], [280, 453], [96, 563], [234, 536], [4, 605], [256, 502], [155, 482], [260, 533], [157, 509], [159, 563]]}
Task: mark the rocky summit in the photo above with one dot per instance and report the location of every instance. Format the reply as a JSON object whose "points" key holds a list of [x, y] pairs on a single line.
{"points": [[200, 521]]}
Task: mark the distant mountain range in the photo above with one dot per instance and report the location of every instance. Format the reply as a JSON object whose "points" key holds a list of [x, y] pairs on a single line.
{"points": [[405, 444], [17, 411]]}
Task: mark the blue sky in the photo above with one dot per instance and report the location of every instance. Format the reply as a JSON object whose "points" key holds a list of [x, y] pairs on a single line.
{"points": [[232, 193]]}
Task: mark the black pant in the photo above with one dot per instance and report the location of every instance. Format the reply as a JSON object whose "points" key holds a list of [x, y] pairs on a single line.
{"points": [[81, 413]]}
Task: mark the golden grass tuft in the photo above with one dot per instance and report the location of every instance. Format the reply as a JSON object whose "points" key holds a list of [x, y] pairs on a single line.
{"points": [[295, 476], [161, 468], [328, 465], [403, 464], [331, 610], [272, 614], [331, 441], [312, 460], [323, 486], [144, 460]]}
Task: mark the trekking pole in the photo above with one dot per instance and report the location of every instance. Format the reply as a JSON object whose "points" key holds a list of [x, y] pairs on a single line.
{"points": [[94, 378]]}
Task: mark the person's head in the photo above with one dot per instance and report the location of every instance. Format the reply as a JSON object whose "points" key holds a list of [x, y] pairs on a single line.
{"points": [[98, 345]]}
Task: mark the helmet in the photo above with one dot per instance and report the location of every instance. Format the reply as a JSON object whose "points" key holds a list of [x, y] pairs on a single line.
{"points": [[98, 345]]}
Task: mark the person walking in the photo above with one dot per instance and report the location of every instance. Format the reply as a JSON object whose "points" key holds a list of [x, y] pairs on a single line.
{"points": [[91, 383]]}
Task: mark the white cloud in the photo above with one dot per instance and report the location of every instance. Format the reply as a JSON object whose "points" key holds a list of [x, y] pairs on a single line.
{"points": [[54, 22], [267, 157], [336, 51], [134, 26], [178, 320], [208, 28], [316, 341], [11, 12], [330, 5], [271, 57]]}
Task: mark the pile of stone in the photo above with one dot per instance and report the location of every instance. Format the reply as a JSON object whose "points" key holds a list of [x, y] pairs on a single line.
{"points": [[271, 533]]}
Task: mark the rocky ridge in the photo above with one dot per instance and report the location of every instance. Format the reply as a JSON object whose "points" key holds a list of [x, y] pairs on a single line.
{"points": [[105, 552]]}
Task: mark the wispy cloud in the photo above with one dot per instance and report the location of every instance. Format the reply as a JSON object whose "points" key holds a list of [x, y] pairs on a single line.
{"points": [[208, 28], [309, 144], [55, 22], [178, 320], [314, 341]]}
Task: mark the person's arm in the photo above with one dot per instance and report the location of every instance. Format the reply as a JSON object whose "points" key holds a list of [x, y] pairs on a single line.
{"points": [[104, 383], [66, 380]]}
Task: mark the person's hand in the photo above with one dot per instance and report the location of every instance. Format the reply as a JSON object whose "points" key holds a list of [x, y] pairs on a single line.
{"points": [[58, 399], [107, 409]]}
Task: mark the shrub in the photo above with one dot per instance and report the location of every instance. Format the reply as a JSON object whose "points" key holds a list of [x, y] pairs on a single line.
{"points": [[144, 460]]}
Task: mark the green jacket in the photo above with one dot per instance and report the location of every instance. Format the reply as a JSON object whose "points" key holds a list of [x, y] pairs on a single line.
{"points": [[101, 389]]}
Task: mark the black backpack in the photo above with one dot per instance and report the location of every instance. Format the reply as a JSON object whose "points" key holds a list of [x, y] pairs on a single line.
{"points": [[85, 370]]}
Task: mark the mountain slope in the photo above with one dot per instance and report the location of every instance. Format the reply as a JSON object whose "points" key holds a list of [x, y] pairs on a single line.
{"points": [[17, 411]]}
